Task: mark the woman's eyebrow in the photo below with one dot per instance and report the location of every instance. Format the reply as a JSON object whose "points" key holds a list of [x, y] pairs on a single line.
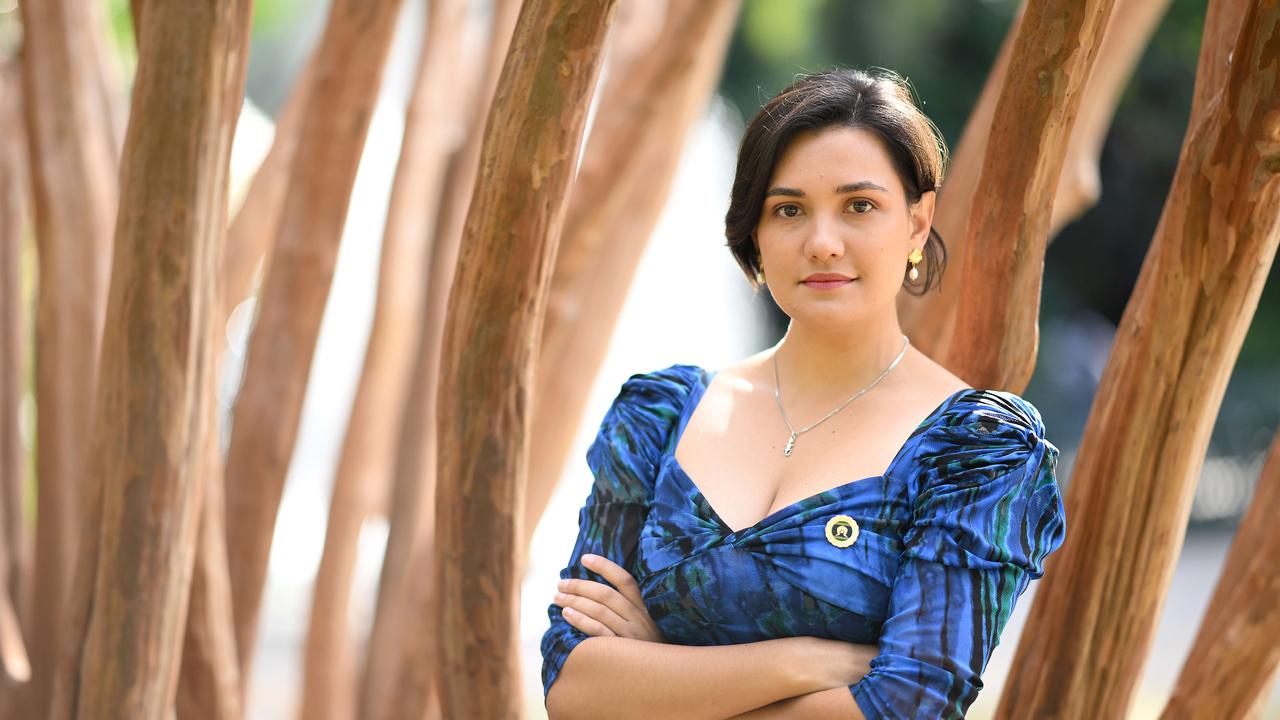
{"points": [[789, 192], [842, 189], [860, 185]]}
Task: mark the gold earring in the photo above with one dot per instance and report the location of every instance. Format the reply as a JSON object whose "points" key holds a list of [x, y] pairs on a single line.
{"points": [[914, 258]]}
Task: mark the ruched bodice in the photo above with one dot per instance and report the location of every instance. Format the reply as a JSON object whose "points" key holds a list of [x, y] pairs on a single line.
{"points": [[947, 539]]}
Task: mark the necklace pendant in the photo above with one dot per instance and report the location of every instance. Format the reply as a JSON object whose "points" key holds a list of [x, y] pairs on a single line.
{"points": [[791, 443]]}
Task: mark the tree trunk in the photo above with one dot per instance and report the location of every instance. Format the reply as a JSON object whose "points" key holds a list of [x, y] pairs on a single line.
{"points": [[253, 231], [490, 346], [1145, 441], [209, 683], [157, 361], [73, 185], [996, 325], [349, 67], [412, 512], [651, 97], [929, 319], [1235, 657], [368, 455], [15, 543]]}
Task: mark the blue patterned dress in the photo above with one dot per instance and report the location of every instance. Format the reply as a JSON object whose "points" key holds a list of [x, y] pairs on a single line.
{"points": [[949, 537]]}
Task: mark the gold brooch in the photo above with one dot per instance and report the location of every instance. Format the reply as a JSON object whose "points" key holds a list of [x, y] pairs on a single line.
{"points": [[842, 531]]}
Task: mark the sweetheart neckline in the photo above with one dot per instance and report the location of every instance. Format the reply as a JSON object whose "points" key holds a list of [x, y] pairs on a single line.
{"points": [[695, 397]]}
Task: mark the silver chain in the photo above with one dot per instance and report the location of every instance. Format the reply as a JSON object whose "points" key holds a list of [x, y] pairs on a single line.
{"points": [[777, 396]]}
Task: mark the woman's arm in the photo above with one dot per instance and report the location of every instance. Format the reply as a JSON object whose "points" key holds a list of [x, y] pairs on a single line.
{"points": [[829, 704], [622, 678]]}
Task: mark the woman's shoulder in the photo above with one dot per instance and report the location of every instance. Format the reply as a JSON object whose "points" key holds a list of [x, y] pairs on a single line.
{"points": [[628, 445], [987, 492], [983, 435], [659, 394], [980, 410]]}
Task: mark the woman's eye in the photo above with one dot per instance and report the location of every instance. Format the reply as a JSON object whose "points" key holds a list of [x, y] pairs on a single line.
{"points": [[862, 203], [782, 210]]}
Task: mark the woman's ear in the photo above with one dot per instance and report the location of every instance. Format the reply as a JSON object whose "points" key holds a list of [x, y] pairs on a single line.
{"points": [[922, 218]]}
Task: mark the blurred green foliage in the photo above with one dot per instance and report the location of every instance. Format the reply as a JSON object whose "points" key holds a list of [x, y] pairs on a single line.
{"points": [[271, 17]]}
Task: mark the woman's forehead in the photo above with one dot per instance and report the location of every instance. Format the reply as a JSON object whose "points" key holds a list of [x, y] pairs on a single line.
{"points": [[839, 157]]}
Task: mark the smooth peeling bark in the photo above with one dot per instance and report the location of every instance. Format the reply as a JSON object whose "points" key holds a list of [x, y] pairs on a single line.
{"points": [[252, 234], [651, 97], [929, 319], [209, 681], [15, 543], [74, 192], [492, 333], [367, 462], [349, 65], [996, 326], [411, 498], [1143, 450], [156, 379], [1229, 672]]}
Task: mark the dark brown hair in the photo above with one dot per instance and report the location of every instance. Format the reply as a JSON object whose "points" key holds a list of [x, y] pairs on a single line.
{"points": [[878, 101]]}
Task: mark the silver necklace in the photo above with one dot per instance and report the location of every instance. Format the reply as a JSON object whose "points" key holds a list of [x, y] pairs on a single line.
{"points": [[777, 396]]}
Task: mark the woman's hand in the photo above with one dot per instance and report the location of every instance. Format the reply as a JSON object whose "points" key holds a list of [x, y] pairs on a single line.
{"points": [[597, 609]]}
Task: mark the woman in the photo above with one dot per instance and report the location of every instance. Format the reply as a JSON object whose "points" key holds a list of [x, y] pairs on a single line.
{"points": [[836, 526]]}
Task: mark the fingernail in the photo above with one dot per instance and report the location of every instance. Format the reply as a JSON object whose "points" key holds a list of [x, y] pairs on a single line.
{"points": [[588, 559], [570, 611], [563, 584]]}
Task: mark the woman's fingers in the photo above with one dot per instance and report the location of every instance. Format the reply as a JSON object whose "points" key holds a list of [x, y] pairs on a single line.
{"points": [[594, 609], [590, 626], [618, 576], [600, 594]]}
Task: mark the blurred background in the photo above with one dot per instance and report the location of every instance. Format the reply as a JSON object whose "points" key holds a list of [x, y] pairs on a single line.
{"points": [[690, 304]]}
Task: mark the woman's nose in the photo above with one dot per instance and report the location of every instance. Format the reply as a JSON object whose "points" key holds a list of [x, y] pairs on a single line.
{"points": [[824, 241]]}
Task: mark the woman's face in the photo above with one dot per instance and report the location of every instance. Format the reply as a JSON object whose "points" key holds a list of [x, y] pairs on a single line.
{"points": [[835, 205]]}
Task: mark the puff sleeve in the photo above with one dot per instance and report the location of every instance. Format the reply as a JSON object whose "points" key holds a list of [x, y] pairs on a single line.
{"points": [[624, 459], [987, 512]]}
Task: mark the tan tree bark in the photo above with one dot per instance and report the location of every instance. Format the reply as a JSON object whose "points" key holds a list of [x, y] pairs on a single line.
{"points": [[650, 98], [350, 61], [1235, 656], [15, 543], [432, 130], [492, 333], [929, 319], [253, 231], [412, 495], [1143, 449], [152, 407], [209, 677], [209, 681], [73, 185], [997, 321]]}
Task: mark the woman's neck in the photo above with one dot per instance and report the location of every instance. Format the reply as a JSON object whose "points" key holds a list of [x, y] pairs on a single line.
{"points": [[815, 366]]}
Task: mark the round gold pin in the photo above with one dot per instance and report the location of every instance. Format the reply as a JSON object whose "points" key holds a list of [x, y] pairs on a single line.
{"points": [[842, 531]]}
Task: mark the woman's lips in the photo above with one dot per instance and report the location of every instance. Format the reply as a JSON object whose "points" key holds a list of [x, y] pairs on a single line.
{"points": [[826, 284]]}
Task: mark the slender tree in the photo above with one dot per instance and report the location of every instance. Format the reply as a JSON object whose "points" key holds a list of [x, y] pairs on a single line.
{"points": [[1233, 663], [412, 495], [349, 64], [151, 411], [73, 162], [1147, 433], [365, 467], [493, 330], [996, 325], [15, 544], [653, 93], [930, 318]]}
